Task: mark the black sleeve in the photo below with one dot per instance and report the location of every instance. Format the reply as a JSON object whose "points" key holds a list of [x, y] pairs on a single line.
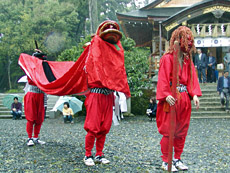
{"points": [[154, 108]]}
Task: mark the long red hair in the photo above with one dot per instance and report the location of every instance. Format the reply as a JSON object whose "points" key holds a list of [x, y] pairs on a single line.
{"points": [[184, 36]]}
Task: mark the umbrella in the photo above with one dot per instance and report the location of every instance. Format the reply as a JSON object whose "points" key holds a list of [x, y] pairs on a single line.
{"points": [[9, 99], [22, 79], [74, 103]]}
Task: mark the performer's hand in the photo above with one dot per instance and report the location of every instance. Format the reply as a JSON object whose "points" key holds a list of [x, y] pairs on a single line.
{"points": [[171, 101], [196, 101], [37, 50]]}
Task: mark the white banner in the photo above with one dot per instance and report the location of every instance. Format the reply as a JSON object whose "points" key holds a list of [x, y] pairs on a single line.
{"points": [[212, 42]]}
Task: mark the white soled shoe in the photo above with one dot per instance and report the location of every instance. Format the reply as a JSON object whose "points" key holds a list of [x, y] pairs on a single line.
{"points": [[164, 166], [101, 159], [30, 142], [89, 161], [179, 165], [37, 141]]}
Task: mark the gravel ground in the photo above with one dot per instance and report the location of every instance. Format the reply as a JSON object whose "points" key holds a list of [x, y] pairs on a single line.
{"points": [[131, 147]]}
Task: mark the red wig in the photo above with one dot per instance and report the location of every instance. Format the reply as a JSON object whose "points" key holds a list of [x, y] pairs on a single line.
{"points": [[185, 38]]}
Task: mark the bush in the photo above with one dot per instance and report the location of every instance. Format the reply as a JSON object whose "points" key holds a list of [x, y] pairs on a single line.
{"points": [[139, 104], [83, 112]]}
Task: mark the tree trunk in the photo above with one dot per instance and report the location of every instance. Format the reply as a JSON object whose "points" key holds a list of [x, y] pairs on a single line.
{"points": [[93, 15], [9, 63]]}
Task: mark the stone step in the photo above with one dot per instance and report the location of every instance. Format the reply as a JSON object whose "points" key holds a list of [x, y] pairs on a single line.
{"points": [[210, 113], [213, 85], [5, 94], [5, 112], [10, 116], [209, 91], [202, 109], [208, 87], [4, 109], [209, 94], [209, 103], [211, 117], [209, 99]]}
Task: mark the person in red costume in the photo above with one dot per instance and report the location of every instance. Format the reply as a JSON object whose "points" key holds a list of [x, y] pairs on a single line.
{"points": [[34, 112], [99, 102], [97, 73], [187, 88]]}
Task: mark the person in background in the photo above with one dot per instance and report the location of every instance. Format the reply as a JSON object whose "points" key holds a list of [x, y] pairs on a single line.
{"points": [[16, 109], [201, 65], [223, 87], [67, 113], [152, 109], [227, 61], [211, 68]]}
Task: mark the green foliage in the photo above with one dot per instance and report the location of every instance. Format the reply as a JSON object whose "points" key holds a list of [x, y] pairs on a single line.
{"points": [[108, 8], [136, 64], [128, 44], [139, 104], [73, 53], [57, 25]]}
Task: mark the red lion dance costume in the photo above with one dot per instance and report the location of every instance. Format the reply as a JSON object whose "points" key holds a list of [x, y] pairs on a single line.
{"points": [[97, 73], [187, 88]]}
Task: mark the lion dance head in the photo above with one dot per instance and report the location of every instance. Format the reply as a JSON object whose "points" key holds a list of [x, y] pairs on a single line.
{"points": [[109, 31]]}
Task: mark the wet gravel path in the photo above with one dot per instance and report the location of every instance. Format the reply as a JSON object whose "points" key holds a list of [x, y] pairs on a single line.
{"points": [[131, 147]]}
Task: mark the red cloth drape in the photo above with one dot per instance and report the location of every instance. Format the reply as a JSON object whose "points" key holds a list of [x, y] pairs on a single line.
{"points": [[100, 65]]}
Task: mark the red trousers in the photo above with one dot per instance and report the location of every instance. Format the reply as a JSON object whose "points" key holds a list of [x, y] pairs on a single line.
{"points": [[34, 112], [98, 121], [183, 114]]}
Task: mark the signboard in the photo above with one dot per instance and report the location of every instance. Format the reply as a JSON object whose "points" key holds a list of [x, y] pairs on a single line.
{"points": [[212, 42]]}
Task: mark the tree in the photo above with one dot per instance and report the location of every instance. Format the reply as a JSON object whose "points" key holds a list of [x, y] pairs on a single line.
{"points": [[106, 10], [109, 8], [56, 25], [93, 15]]}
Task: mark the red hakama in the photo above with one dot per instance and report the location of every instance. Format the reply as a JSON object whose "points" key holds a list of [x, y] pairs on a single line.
{"points": [[34, 111]]}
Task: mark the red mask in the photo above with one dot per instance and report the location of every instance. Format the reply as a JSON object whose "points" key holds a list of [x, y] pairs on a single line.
{"points": [[190, 44]]}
